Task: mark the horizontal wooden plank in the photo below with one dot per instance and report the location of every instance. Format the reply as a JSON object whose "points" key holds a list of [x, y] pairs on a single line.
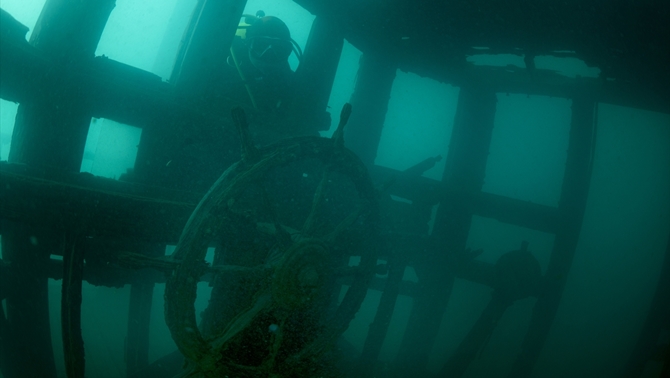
{"points": [[434, 40], [521, 213], [100, 207], [424, 191]]}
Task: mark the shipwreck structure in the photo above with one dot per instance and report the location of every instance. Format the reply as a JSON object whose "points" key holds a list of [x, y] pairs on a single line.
{"points": [[106, 229]]}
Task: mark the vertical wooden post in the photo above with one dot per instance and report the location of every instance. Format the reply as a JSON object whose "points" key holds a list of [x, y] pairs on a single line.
{"points": [[464, 170], [3, 337], [315, 76], [5, 282], [379, 327], [201, 57], [196, 73], [50, 131], [657, 320], [27, 334], [571, 207], [369, 102], [139, 317], [73, 273], [204, 51], [459, 361]]}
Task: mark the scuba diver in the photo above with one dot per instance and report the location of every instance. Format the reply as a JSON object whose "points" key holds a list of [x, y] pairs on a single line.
{"points": [[260, 53]]}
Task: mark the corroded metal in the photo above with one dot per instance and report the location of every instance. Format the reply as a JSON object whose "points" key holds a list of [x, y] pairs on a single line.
{"points": [[304, 270], [299, 274]]}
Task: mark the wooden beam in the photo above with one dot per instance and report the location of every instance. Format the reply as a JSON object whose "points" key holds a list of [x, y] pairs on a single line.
{"points": [[27, 334], [4, 346], [139, 315], [109, 209], [379, 327], [313, 80], [647, 344], [376, 74], [117, 276], [23, 66], [205, 48], [517, 212], [517, 80], [571, 207], [50, 131], [108, 89], [127, 94], [52, 124], [464, 171], [423, 190], [434, 40], [73, 342], [6, 281], [68, 32]]}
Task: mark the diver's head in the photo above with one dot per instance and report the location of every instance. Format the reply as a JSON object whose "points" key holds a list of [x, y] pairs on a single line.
{"points": [[269, 45]]}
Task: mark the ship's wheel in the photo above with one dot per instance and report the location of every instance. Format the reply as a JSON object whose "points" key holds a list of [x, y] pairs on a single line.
{"points": [[296, 276]]}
